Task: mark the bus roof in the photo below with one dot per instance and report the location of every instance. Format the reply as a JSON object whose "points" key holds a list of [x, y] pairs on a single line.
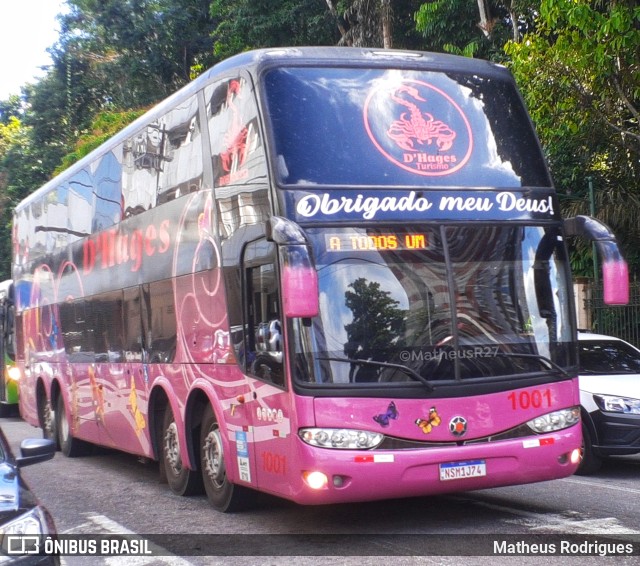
{"points": [[258, 60]]}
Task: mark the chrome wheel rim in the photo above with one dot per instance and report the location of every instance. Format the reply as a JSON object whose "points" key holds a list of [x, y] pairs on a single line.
{"points": [[213, 458], [48, 420], [172, 449]]}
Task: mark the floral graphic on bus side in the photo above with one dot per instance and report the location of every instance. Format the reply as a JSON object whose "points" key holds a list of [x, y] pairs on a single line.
{"points": [[138, 415]]}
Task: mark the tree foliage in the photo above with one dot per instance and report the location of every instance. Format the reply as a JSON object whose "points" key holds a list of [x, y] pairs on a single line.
{"points": [[241, 25], [10, 108], [376, 321], [105, 125], [579, 72], [138, 51], [376, 23], [475, 29], [21, 170]]}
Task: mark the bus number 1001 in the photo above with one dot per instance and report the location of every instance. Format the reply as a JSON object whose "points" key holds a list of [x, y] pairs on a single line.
{"points": [[530, 399], [274, 463]]}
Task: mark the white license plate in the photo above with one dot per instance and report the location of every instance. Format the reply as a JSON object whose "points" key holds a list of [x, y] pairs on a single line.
{"points": [[462, 470]]}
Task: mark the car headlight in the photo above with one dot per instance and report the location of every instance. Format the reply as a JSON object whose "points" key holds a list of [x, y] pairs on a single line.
{"points": [[348, 439], [31, 523], [614, 404], [557, 420]]}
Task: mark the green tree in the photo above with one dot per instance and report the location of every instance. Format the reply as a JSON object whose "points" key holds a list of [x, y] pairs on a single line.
{"points": [[375, 325], [10, 108], [139, 51], [21, 170], [580, 77], [250, 24], [104, 125], [376, 23], [9, 132], [363, 23], [475, 29]]}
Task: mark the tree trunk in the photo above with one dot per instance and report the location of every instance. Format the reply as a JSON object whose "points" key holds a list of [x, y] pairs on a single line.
{"points": [[514, 22], [386, 15], [334, 13], [485, 24]]}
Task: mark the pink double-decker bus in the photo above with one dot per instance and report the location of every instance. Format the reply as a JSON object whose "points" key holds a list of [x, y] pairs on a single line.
{"points": [[328, 274]]}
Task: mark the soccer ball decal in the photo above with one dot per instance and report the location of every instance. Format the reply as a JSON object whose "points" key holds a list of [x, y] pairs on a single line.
{"points": [[458, 426]]}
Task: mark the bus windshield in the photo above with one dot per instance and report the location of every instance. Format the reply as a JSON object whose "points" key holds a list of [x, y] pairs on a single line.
{"points": [[448, 303], [374, 127]]}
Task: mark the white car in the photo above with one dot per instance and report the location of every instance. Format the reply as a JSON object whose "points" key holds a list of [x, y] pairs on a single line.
{"points": [[610, 398]]}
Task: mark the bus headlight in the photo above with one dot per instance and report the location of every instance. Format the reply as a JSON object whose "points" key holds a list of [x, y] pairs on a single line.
{"points": [[557, 420], [13, 373], [343, 438], [614, 404]]}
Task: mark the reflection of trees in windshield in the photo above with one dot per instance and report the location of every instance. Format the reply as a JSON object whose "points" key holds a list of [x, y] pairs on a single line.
{"points": [[376, 325]]}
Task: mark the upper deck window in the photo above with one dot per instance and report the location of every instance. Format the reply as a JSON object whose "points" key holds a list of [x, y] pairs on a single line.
{"points": [[372, 127]]}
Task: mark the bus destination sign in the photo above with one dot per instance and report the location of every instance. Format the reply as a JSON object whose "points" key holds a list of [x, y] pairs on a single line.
{"points": [[376, 242]]}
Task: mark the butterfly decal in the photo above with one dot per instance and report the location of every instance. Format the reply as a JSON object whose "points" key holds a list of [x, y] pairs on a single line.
{"points": [[383, 418], [429, 422]]}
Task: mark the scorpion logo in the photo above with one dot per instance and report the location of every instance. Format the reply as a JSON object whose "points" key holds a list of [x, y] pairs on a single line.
{"points": [[419, 127]]}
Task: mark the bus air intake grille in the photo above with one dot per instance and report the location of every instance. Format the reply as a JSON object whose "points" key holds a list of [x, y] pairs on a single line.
{"points": [[391, 443]]}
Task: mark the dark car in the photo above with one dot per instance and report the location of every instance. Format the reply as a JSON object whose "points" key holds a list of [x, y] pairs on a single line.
{"points": [[610, 399], [23, 521]]}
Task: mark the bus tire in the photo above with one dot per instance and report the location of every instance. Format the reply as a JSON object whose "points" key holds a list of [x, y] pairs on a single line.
{"points": [[69, 446], [181, 480], [223, 495], [590, 462]]}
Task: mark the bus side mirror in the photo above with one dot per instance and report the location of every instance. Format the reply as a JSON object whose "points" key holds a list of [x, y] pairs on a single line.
{"points": [[299, 283], [615, 281], [615, 272]]}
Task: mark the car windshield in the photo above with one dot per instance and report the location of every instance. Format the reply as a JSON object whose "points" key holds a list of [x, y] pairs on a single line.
{"points": [[608, 357], [449, 303]]}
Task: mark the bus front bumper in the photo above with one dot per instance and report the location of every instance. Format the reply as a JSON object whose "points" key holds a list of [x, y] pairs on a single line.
{"points": [[352, 475]]}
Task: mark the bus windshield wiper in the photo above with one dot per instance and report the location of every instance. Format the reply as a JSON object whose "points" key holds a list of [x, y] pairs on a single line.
{"points": [[550, 363], [407, 370]]}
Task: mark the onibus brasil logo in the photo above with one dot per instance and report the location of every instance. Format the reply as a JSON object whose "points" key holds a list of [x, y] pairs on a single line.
{"points": [[418, 127]]}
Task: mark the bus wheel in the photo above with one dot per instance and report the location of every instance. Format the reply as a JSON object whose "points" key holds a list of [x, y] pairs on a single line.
{"points": [[69, 445], [589, 461], [223, 495], [181, 480]]}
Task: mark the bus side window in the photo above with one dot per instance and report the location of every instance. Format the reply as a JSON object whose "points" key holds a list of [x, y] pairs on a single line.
{"points": [[132, 325], [263, 329], [77, 330], [159, 321], [237, 154], [182, 169], [107, 324]]}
